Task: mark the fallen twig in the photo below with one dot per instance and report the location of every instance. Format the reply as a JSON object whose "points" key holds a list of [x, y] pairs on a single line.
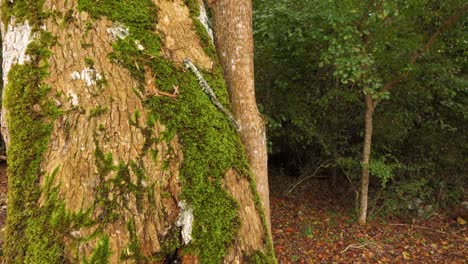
{"points": [[377, 248], [459, 253], [458, 231], [420, 227], [353, 246]]}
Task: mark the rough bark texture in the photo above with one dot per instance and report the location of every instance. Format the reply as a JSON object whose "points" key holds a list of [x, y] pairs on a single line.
{"points": [[365, 160], [108, 186], [232, 22], [239, 188], [178, 38], [73, 148]]}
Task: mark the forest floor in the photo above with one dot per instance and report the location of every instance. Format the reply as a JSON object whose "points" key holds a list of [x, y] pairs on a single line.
{"points": [[313, 225]]}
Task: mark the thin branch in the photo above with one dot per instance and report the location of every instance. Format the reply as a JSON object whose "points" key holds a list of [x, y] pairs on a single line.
{"points": [[420, 227], [444, 27], [354, 246], [313, 175]]}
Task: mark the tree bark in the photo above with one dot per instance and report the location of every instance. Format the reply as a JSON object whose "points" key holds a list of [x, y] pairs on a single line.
{"points": [[115, 153], [366, 153], [232, 22]]}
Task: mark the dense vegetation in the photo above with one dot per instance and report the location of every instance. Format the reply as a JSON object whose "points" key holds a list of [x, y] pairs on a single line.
{"points": [[317, 61]]}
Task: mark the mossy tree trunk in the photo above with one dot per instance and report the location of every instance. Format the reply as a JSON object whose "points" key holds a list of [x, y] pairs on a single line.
{"points": [[116, 155]]}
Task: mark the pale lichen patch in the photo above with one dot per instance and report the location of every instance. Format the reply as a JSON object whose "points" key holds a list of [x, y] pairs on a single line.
{"points": [[73, 98], [138, 45], [15, 42], [88, 75], [204, 19], [185, 221], [75, 75], [118, 31]]}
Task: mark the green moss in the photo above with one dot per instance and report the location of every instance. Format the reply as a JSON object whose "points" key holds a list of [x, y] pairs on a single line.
{"points": [[101, 253], [133, 250], [211, 146], [170, 243], [69, 17], [259, 257], [133, 13], [30, 116], [89, 62], [22, 10], [46, 229], [98, 111], [113, 194], [193, 6], [37, 222]]}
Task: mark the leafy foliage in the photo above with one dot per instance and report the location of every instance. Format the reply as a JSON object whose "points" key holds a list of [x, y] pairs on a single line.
{"points": [[316, 59]]}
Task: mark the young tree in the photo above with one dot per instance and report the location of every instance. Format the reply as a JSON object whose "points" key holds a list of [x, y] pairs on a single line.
{"points": [[371, 81], [368, 51], [120, 147]]}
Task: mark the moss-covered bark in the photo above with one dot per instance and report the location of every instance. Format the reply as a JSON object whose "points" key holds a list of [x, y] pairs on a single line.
{"points": [[41, 229]]}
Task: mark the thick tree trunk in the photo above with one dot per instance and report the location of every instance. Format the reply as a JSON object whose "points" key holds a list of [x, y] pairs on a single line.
{"points": [[365, 160], [116, 155], [232, 21]]}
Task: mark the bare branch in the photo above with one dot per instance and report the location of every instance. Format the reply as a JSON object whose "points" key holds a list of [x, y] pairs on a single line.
{"points": [[444, 27]]}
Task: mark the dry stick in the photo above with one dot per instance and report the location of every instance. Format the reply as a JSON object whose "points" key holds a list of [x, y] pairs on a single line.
{"points": [[207, 89], [2, 157], [151, 88], [421, 227], [450, 21], [370, 244], [459, 253], [459, 231], [355, 246]]}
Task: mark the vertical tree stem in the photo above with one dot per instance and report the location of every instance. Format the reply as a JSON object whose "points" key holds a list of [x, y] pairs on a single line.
{"points": [[365, 160]]}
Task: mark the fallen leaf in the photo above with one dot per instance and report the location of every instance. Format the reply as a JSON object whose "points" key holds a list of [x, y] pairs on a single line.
{"points": [[406, 255]]}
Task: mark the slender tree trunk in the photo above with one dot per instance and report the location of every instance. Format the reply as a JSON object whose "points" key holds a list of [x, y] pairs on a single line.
{"points": [[234, 42], [116, 155], [365, 160]]}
